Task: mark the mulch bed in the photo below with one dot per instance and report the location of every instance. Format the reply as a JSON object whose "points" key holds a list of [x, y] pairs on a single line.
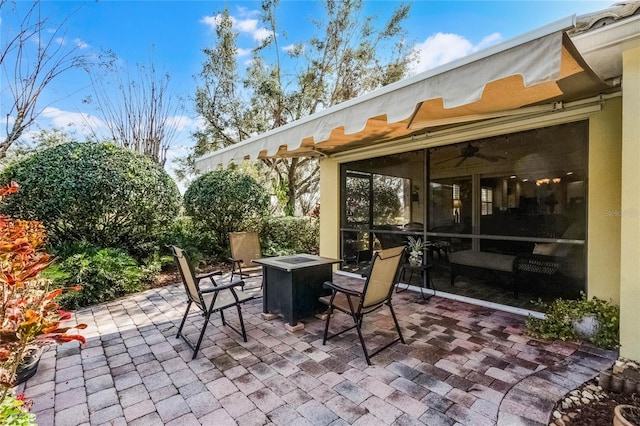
{"points": [[595, 413]]}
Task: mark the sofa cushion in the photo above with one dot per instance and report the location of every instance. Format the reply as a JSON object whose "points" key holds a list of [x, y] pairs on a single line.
{"points": [[483, 259]]}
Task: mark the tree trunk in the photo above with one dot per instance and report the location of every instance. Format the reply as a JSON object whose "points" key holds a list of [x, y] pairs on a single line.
{"points": [[290, 208]]}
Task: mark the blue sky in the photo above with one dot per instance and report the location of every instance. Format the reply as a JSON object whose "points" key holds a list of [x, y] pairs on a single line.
{"points": [[174, 33]]}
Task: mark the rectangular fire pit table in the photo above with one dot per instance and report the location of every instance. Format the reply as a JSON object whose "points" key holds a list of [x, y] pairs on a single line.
{"points": [[293, 284]]}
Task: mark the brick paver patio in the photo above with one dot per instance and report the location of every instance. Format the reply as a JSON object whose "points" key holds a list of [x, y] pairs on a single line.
{"points": [[462, 365]]}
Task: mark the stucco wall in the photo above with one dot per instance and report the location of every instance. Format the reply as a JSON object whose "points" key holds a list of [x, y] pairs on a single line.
{"points": [[603, 215], [329, 208], [630, 217]]}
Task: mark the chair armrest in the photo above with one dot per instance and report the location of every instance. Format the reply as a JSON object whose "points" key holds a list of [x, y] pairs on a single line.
{"points": [[237, 283], [208, 274], [336, 287]]}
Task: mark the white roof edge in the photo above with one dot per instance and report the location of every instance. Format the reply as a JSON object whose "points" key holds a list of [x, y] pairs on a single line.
{"points": [[616, 32], [602, 47], [559, 25]]}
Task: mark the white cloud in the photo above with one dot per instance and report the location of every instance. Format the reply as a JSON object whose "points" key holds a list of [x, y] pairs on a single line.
{"points": [[294, 48], [243, 52], [248, 62], [177, 151], [488, 41], [199, 123], [83, 122], [211, 21], [248, 26], [261, 34], [442, 48], [181, 122], [61, 41], [245, 12], [245, 25], [80, 44]]}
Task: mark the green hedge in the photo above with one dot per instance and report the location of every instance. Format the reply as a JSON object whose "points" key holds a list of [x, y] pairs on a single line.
{"points": [[95, 192], [289, 235]]}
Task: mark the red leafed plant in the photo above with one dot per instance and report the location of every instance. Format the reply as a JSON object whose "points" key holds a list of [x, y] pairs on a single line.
{"points": [[30, 316]]}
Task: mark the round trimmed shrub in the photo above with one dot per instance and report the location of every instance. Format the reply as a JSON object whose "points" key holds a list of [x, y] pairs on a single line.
{"points": [[100, 193], [224, 201]]}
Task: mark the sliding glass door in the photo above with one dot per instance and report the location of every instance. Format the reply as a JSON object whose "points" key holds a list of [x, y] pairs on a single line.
{"points": [[521, 194], [383, 203]]}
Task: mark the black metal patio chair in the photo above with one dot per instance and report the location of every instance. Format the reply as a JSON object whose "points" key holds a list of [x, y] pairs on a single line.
{"points": [[212, 299], [376, 292]]}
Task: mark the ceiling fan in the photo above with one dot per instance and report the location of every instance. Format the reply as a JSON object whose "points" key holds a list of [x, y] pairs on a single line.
{"points": [[469, 151]]}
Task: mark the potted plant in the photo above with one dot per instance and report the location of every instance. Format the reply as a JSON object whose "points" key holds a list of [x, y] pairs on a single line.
{"points": [[595, 320], [28, 366], [416, 247], [626, 415], [30, 317]]}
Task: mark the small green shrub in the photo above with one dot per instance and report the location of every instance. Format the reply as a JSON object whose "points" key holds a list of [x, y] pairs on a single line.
{"points": [[224, 201], [561, 314], [289, 235], [14, 410], [184, 234], [104, 274]]}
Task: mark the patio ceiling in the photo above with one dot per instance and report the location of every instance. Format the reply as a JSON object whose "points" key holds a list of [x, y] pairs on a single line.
{"points": [[529, 73]]}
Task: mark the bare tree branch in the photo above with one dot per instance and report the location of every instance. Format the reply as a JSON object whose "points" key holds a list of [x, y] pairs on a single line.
{"points": [[31, 60], [137, 109]]}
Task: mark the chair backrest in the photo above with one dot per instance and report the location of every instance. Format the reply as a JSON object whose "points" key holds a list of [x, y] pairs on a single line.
{"points": [[388, 240], [245, 246], [384, 270], [187, 274]]}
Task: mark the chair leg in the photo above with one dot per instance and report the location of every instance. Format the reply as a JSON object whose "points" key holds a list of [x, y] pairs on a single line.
{"points": [[395, 320], [453, 274], [364, 348], [326, 325], [244, 333], [222, 317], [184, 318], [204, 328], [233, 269]]}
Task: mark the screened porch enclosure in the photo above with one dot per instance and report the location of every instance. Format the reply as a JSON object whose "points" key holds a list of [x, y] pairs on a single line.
{"points": [[520, 194]]}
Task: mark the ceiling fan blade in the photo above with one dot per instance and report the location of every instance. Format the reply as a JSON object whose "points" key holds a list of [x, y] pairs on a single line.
{"points": [[448, 159], [492, 158], [461, 161]]}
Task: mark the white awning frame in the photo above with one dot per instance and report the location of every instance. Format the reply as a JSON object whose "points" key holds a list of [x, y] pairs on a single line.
{"points": [[535, 56]]}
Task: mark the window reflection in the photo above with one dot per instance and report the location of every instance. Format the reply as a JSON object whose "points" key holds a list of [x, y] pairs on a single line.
{"points": [[383, 203]]}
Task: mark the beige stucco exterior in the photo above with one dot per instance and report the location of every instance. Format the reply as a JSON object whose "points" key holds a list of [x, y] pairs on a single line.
{"points": [[613, 251], [329, 208], [603, 213], [630, 208]]}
